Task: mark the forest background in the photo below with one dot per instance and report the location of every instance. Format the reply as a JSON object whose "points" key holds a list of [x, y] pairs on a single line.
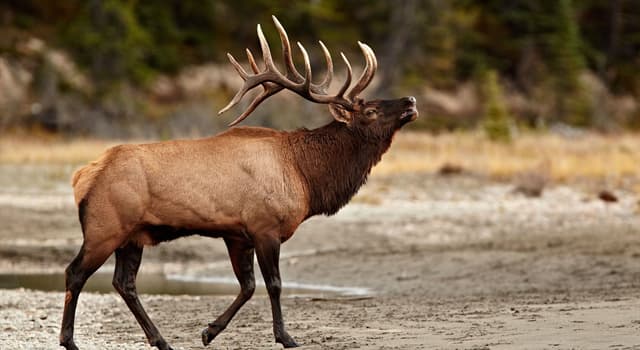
{"points": [[157, 69]]}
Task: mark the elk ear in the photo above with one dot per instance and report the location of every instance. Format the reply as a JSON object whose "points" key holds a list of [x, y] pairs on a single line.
{"points": [[340, 114]]}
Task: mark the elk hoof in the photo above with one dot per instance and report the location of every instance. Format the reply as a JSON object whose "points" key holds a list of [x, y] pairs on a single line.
{"points": [[161, 345], [287, 341], [69, 345], [209, 333]]}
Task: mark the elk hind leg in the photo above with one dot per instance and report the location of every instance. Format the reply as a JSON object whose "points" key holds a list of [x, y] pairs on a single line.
{"points": [[241, 255], [79, 270], [128, 260]]}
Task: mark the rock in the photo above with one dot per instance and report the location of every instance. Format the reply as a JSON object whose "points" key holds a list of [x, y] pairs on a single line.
{"points": [[607, 196]]}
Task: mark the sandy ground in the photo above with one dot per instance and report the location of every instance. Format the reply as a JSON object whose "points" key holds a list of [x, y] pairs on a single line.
{"points": [[443, 262]]}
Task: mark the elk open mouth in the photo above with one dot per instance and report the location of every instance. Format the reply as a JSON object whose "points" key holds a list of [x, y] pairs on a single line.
{"points": [[409, 114]]}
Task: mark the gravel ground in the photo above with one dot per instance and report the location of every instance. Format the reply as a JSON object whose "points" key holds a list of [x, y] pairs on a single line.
{"points": [[446, 263]]}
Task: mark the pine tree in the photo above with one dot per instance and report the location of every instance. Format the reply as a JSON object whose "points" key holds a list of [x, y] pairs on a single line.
{"points": [[567, 63], [497, 122]]}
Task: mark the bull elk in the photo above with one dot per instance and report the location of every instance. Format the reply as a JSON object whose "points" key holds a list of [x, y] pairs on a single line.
{"points": [[250, 186]]}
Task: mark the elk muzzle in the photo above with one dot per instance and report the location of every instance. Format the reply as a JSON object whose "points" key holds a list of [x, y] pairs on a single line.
{"points": [[410, 112]]}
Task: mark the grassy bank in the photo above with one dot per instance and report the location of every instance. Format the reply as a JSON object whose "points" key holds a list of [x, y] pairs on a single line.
{"points": [[591, 156]]}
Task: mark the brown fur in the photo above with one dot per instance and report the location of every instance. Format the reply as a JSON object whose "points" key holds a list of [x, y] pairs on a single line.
{"points": [[84, 177], [190, 185], [334, 162]]}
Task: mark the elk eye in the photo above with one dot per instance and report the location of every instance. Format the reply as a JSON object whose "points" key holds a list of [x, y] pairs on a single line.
{"points": [[371, 113]]}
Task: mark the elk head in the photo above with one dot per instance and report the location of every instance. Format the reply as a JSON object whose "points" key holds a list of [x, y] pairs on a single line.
{"points": [[370, 118]]}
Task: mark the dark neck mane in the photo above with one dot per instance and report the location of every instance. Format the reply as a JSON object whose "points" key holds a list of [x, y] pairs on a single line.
{"points": [[335, 161]]}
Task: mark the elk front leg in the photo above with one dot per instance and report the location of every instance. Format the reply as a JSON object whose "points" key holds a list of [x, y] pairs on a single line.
{"points": [[124, 280], [241, 255], [268, 253]]}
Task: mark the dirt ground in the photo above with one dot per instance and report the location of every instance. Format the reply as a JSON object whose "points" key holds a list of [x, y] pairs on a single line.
{"points": [[454, 262]]}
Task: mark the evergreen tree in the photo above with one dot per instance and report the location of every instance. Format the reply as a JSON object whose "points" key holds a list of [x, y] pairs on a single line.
{"points": [[567, 63], [497, 122], [108, 38]]}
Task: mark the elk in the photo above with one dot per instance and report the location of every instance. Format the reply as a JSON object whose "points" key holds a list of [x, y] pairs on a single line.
{"points": [[250, 186]]}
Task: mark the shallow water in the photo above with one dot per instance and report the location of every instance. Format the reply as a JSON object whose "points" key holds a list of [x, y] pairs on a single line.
{"points": [[162, 284]]}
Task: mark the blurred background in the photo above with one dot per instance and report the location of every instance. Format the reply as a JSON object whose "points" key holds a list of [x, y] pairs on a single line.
{"points": [[504, 88], [507, 216], [145, 69]]}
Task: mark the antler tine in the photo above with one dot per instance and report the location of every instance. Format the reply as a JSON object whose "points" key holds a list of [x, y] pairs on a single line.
{"points": [[252, 62], [347, 82], [243, 74], [368, 72], [292, 72], [235, 100], [238, 67], [327, 79], [268, 92], [373, 57], [374, 62], [266, 52], [306, 83]]}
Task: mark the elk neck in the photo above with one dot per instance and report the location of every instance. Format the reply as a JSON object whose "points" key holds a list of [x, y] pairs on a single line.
{"points": [[334, 162]]}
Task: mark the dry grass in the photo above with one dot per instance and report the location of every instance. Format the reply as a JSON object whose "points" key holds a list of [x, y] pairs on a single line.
{"points": [[561, 159], [50, 150]]}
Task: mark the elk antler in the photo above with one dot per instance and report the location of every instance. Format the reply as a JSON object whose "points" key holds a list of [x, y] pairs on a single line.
{"points": [[273, 81]]}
